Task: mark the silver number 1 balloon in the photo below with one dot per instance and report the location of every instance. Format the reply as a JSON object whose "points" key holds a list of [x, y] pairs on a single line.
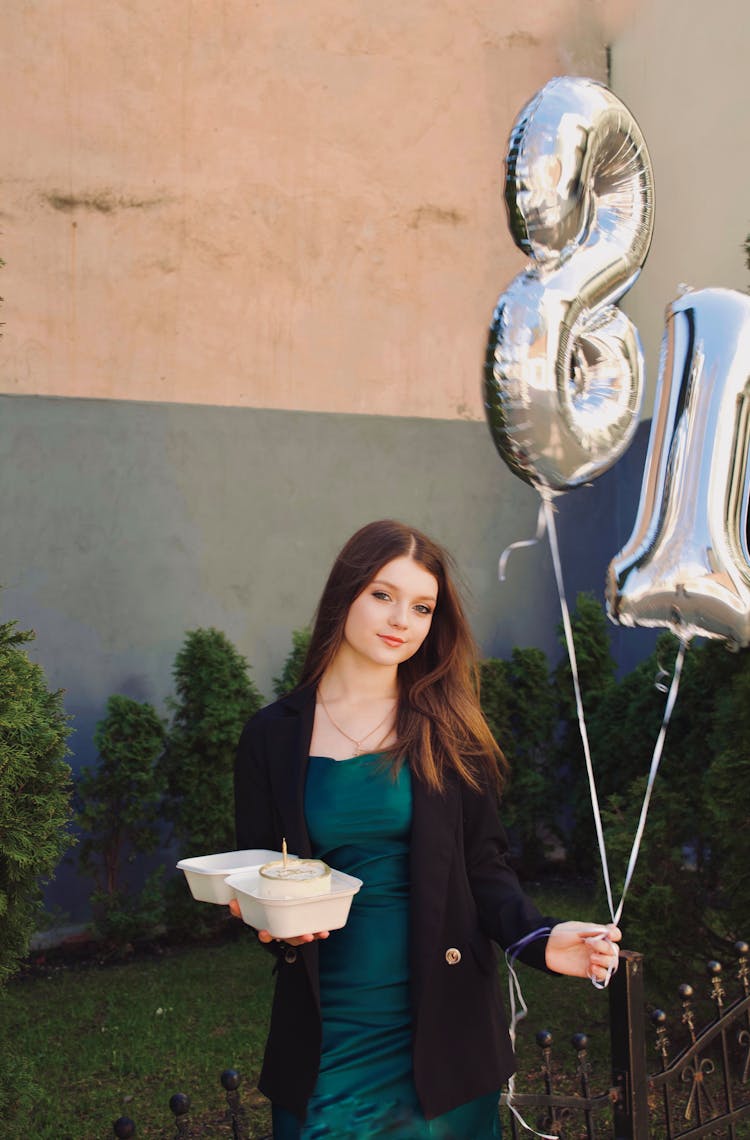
{"points": [[564, 369], [686, 565]]}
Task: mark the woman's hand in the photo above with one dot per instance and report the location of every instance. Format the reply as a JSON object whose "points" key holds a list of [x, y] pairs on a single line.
{"points": [[583, 950], [300, 940], [265, 936]]}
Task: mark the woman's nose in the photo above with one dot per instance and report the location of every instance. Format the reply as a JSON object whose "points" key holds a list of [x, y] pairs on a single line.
{"points": [[398, 617]]}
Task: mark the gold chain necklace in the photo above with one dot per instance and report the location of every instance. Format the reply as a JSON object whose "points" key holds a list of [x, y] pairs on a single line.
{"points": [[357, 743]]}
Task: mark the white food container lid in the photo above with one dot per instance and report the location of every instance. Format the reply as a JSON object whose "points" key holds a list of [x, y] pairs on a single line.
{"points": [[206, 875], [288, 918]]}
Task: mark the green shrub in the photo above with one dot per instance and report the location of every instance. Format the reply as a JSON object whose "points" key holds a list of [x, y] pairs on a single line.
{"points": [[118, 812], [292, 670], [496, 700], [519, 705], [215, 696], [691, 889], [726, 786], [664, 909], [596, 665], [35, 809], [596, 677], [35, 793]]}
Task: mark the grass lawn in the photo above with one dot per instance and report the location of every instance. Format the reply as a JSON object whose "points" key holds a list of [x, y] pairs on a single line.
{"points": [[120, 1039], [101, 1041]]}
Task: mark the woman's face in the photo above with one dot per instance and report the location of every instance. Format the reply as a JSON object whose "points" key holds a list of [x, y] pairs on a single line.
{"points": [[392, 616]]}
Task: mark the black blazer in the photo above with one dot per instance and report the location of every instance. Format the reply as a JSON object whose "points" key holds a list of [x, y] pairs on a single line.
{"points": [[463, 897]]}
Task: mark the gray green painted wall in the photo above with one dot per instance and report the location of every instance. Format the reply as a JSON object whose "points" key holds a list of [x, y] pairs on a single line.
{"points": [[124, 525]]}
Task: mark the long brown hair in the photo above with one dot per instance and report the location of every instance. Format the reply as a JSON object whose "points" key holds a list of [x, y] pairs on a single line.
{"points": [[439, 722]]}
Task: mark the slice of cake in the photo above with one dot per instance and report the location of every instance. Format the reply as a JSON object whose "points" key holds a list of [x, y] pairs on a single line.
{"points": [[294, 879]]}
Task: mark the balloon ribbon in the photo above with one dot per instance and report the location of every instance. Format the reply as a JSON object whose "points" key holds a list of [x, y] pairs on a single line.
{"points": [[540, 525], [518, 1008], [658, 748]]}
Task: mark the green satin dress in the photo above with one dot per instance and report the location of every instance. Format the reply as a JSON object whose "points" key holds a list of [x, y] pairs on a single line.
{"points": [[359, 822]]}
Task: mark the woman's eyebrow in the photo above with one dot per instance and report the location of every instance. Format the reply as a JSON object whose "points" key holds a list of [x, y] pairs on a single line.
{"points": [[391, 586]]}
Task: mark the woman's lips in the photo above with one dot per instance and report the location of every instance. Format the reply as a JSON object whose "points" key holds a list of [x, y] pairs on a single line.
{"points": [[392, 641]]}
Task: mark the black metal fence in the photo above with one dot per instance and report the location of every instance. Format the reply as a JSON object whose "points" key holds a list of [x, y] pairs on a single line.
{"points": [[699, 1087], [179, 1104]]}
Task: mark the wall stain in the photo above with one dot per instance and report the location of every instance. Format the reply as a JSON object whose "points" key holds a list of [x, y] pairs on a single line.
{"points": [[102, 202], [521, 40], [435, 215]]}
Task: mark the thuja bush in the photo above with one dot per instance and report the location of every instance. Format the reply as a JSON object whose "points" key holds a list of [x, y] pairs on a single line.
{"points": [[596, 676], [519, 704], [531, 809], [35, 809], [726, 784], [691, 887], [665, 904], [532, 714], [118, 811], [290, 674], [35, 793], [214, 697]]}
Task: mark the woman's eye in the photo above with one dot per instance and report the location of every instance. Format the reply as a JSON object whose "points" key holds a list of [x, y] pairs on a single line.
{"points": [[381, 594], [421, 609]]}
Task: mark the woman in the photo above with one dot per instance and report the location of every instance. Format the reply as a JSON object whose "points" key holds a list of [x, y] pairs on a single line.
{"points": [[381, 764]]}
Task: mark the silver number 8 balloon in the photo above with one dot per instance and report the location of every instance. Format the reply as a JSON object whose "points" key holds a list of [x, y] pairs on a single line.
{"points": [[563, 377]]}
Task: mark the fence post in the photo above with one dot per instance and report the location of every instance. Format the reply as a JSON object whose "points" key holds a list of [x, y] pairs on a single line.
{"points": [[627, 1027]]}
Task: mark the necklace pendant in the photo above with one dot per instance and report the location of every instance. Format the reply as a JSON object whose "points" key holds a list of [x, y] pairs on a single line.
{"points": [[357, 743]]}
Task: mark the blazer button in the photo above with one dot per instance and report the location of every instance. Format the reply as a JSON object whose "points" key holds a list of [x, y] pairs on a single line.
{"points": [[290, 955], [453, 956]]}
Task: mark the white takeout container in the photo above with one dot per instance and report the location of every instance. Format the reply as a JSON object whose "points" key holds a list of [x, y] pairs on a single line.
{"points": [[287, 918], [206, 875]]}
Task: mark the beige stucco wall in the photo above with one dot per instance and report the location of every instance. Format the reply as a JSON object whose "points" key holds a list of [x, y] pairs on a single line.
{"points": [[288, 205], [682, 66]]}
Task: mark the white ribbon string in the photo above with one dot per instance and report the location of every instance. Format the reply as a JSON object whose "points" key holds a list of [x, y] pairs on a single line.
{"points": [[540, 524], [518, 1007], [552, 532], [658, 748], [517, 1014]]}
